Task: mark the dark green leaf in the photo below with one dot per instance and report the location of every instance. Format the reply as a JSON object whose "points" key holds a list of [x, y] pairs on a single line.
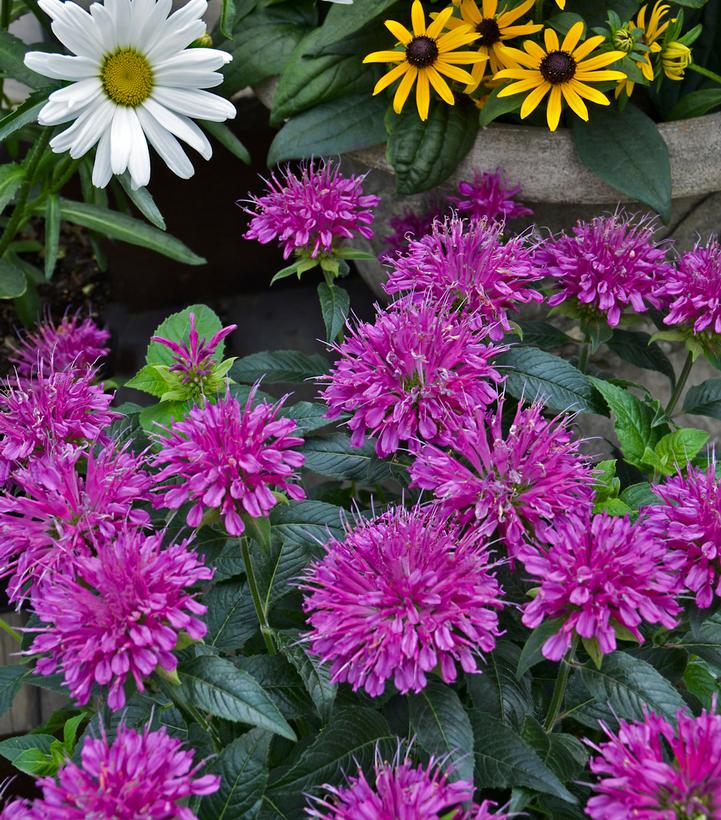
{"points": [[222, 133], [280, 681], [704, 642], [334, 305], [564, 754], [177, 328], [639, 495], [11, 679], [307, 415], [12, 747], [12, 280], [12, 55], [633, 347], [23, 115], [442, 727], [696, 104], [625, 149], [162, 414], [534, 373], [243, 777], [704, 399], [496, 106], [498, 691], [227, 17], [219, 688], [336, 127], [344, 20], [143, 201], [274, 366], [115, 225], [52, 233], [503, 760], [350, 740], [425, 154], [230, 617], [531, 652], [307, 522], [314, 675], [542, 334], [334, 457], [11, 177]]}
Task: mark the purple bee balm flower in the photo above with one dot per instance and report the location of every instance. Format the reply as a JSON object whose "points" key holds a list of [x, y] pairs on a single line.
{"points": [[467, 267], [194, 360], [68, 504], [651, 771], [20, 810], [53, 411], [609, 264], [399, 789], [415, 373], [139, 774], [693, 289], [401, 595], [229, 458], [68, 345], [308, 213], [487, 197], [405, 228], [129, 602], [597, 575], [688, 521], [508, 482]]}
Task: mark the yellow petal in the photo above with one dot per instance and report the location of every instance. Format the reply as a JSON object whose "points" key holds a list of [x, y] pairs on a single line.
{"points": [[471, 13], [570, 41], [441, 86], [385, 57], [598, 76], [533, 99], [525, 30], [461, 36], [400, 32], [508, 17], [553, 111], [561, 4], [589, 93], [517, 74], [586, 47], [550, 38], [391, 77], [490, 7], [404, 89], [418, 18], [454, 73], [423, 94], [575, 102], [462, 57], [521, 85], [600, 60], [534, 50], [514, 55], [437, 26]]}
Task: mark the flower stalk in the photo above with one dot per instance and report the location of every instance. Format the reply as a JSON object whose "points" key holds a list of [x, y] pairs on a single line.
{"points": [[260, 610], [13, 633], [559, 690], [680, 384]]}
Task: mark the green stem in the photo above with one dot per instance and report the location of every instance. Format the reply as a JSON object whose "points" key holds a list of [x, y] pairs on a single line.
{"points": [[705, 72], [265, 629], [559, 690], [538, 12], [5, 627], [680, 384], [18, 216], [5, 14], [584, 355]]}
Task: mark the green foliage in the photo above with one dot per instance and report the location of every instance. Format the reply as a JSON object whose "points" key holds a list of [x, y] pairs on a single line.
{"points": [[278, 366]]}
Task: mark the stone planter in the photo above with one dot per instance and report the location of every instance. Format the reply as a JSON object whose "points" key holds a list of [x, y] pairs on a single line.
{"points": [[555, 183]]}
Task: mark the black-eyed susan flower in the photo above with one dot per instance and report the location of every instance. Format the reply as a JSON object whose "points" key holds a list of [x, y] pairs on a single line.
{"points": [[427, 57], [675, 59], [493, 27], [562, 71], [652, 31]]}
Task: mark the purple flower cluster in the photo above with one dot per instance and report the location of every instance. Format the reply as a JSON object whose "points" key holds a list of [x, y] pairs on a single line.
{"points": [[405, 228], [693, 293], [415, 373], [70, 344], [609, 264], [510, 482], [401, 595], [466, 267], [652, 770], [401, 790], [597, 575], [309, 212], [68, 504], [487, 197], [139, 774], [228, 458], [689, 522], [129, 602]]}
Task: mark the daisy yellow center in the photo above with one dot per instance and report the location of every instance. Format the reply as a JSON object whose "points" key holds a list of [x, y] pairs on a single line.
{"points": [[421, 52], [557, 67], [489, 31], [127, 77]]}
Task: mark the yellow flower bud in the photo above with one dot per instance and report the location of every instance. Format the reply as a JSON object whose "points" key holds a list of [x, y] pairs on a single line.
{"points": [[675, 59]]}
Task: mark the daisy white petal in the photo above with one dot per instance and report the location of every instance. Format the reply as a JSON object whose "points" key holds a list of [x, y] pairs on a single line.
{"points": [[102, 171], [166, 145], [194, 103], [180, 126], [60, 66]]}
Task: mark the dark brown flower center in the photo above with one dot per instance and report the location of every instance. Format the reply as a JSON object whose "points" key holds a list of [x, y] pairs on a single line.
{"points": [[489, 31], [558, 67], [421, 52]]}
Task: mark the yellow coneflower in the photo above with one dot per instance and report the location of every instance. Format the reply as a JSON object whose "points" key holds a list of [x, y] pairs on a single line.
{"points": [[427, 54], [675, 59], [652, 32], [493, 27], [562, 71]]}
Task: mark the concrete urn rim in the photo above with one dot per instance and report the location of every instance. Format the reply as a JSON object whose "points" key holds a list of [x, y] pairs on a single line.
{"points": [[547, 166]]}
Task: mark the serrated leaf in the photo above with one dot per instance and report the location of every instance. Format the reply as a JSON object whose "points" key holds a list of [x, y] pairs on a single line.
{"points": [[498, 690], [639, 495], [349, 741], [161, 415], [243, 776], [336, 127], [307, 415], [676, 449], [149, 379], [219, 688], [334, 457], [280, 681], [536, 374], [637, 349], [503, 760], [12, 747], [11, 679], [442, 728], [564, 754], [425, 154], [542, 334], [314, 675], [334, 305], [307, 523], [704, 399], [625, 149], [177, 328], [705, 642], [273, 366], [231, 618]]}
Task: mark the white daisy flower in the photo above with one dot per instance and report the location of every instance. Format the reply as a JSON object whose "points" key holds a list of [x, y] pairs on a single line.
{"points": [[133, 79]]}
